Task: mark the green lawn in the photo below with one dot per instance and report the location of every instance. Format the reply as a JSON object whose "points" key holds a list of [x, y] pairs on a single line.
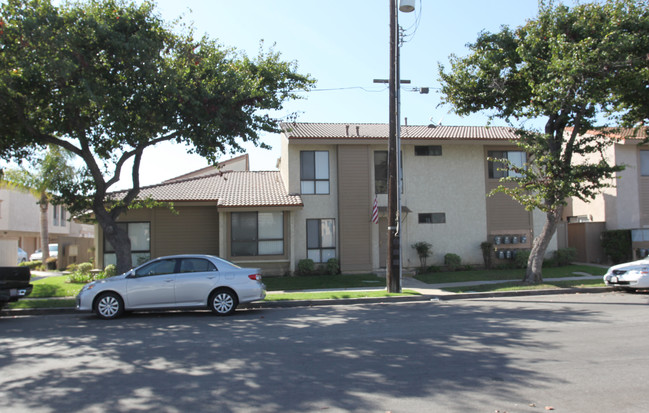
{"points": [[55, 286], [508, 274]]}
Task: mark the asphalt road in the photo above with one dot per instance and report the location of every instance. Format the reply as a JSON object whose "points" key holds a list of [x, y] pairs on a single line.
{"points": [[569, 353]]}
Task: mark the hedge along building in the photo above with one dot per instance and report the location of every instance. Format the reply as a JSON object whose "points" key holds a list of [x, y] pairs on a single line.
{"points": [[319, 204]]}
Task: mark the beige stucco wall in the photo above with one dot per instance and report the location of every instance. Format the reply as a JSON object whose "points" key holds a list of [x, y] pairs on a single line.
{"points": [[315, 206], [619, 205], [20, 219], [453, 184]]}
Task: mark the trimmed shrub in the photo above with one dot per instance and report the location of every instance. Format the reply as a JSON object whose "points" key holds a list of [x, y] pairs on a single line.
{"points": [[110, 270], [521, 258], [84, 268], [424, 249], [452, 261], [305, 267], [564, 256], [487, 248], [333, 266]]}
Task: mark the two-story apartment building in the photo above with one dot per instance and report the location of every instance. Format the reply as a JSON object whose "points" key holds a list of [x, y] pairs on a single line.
{"points": [[319, 204], [624, 204], [20, 224], [339, 169]]}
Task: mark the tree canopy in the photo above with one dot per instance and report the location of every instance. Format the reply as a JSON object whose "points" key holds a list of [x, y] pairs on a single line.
{"points": [[107, 79], [577, 68]]}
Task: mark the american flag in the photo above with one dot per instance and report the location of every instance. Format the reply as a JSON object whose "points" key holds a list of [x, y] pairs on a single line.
{"points": [[375, 212]]}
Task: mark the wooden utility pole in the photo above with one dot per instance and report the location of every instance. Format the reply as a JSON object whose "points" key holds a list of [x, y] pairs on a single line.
{"points": [[393, 266]]}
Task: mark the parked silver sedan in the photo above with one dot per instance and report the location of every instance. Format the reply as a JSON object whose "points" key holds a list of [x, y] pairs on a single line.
{"points": [[179, 281]]}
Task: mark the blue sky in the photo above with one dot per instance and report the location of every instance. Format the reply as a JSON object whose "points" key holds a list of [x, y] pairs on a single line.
{"points": [[344, 45]]}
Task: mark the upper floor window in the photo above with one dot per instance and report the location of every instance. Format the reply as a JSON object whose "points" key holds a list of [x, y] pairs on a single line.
{"points": [[257, 233], [55, 215], [381, 172], [429, 150], [644, 163], [58, 215], [499, 170], [314, 172]]}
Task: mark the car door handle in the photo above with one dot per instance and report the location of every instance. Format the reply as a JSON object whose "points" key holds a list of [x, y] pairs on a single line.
{"points": [[169, 281]]}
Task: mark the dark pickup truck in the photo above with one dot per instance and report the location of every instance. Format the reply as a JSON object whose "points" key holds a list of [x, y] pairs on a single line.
{"points": [[14, 284]]}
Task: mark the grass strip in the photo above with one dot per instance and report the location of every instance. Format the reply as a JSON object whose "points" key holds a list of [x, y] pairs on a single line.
{"points": [[506, 274], [335, 295], [519, 286]]}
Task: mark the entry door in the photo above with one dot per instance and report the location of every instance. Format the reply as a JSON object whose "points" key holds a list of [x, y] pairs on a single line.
{"points": [[383, 242]]}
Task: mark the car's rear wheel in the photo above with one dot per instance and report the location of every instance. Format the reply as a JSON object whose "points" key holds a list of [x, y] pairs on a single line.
{"points": [[109, 305], [223, 302]]}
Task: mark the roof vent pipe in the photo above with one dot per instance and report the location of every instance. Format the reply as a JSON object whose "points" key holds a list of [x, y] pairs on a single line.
{"points": [[358, 131], [347, 130]]}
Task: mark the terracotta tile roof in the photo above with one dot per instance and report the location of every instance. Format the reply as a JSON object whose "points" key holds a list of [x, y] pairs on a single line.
{"points": [[619, 133], [228, 189], [381, 130]]}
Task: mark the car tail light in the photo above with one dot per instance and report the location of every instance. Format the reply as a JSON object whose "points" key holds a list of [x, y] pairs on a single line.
{"points": [[255, 277]]}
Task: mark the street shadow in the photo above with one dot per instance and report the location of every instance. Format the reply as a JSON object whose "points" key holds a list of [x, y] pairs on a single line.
{"points": [[305, 359]]}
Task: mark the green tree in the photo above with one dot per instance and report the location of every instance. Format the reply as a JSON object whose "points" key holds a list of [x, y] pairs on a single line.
{"points": [[108, 79], [51, 169], [570, 67]]}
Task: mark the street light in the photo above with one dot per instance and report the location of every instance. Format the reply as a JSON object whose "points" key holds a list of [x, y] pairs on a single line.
{"points": [[393, 267]]}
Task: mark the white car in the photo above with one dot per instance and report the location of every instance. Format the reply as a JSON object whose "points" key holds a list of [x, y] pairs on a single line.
{"points": [[629, 276], [38, 254], [179, 282], [22, 255]]}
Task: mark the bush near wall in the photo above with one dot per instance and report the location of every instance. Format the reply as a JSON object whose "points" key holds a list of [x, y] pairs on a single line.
{"points": [[617, 244]]}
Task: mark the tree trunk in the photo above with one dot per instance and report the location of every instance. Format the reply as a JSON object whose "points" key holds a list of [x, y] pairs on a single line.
{"points": [[533, 274], [118, 238], [43, 204]]}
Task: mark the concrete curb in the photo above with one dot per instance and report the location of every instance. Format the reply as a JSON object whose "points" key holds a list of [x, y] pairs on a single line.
{"points": [[352, 301]]}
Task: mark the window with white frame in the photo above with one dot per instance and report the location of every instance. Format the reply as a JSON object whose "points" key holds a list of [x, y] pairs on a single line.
{"points": [[321, 239], [644, 163], [499, 170], [139, 233], [257, 233], [314, 172]]}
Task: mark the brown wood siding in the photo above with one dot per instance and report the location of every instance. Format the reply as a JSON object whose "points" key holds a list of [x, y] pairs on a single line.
{"points": [[643, 184], [354, 205], [503, 213], [194, 230]]}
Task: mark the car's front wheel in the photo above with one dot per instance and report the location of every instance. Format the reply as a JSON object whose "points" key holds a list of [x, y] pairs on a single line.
{"points": [[109, 306], [223, 302]]}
